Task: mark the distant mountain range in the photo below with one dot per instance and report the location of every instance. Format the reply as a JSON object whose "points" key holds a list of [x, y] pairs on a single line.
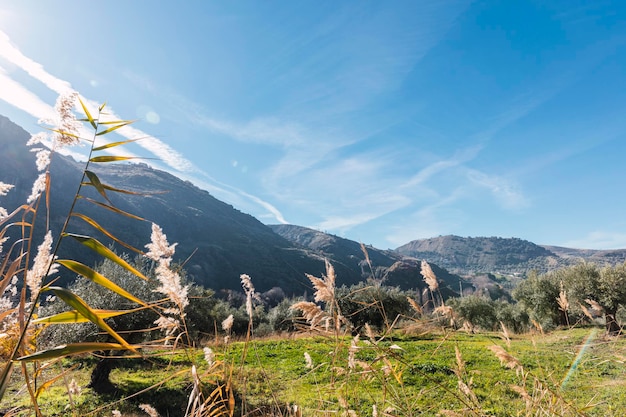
{"points": [[507, 256], [224, 243]]}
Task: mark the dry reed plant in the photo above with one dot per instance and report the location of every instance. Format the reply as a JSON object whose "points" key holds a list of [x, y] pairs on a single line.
{"points": [[28, 271]]}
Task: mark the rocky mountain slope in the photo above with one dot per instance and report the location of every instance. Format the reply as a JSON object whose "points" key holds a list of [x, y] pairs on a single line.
{"points": [[223, 242], [507, 256], [387, 267]]}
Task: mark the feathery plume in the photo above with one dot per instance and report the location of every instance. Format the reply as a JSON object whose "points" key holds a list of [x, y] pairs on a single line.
{"points": [[595, 306], [324, 287], [41, 264], [5, 188], [42, 158], [429, 276], [505, 358], [584, 309], [308, 360], [37, 138], [414, 305], [562, 300], [149, 410], [171, 286], [369, 333], [227, 324], [67, 125], [39, 186], [460, 363], [74, 388], [505, 334], [248, 288], [168, 324], [209, 356], [537, 325], [352, 352], [4, 239], [161, 251], [311, 312], [159, 247], [116, 413]]}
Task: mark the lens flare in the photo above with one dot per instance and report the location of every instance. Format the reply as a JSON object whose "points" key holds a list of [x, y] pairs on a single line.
{"points": [[581, 352]]}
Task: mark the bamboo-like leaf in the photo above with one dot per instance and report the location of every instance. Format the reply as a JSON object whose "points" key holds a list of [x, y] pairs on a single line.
{"points": [[91, 120], [81, 306], [105, 232], [111, 129], [51, 381], [99, 279], [111, 158], [64, 133], [74, 316], [102, 250], [111, 208], [114, 144], [74, 349], [102, 106], [95, 182], [121, 191], [114, 122]]}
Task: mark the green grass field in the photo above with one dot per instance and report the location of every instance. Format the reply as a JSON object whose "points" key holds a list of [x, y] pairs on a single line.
{"points": [[566, 372]]}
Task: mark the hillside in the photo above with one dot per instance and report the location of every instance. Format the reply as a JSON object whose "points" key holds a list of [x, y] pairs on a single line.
{"points": [[224, 242], [388, 267], [508, 256]]}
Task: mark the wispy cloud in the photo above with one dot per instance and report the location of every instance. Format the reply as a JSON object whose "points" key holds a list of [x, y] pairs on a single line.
{"points": [[504, 191], [598, 240], [20, 97]]}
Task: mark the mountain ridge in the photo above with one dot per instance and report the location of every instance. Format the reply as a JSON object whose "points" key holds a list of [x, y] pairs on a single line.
{"points": [[225, 242]]}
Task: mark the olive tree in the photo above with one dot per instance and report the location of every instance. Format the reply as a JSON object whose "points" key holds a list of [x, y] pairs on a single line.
{"points": [[605, 286], [538, 295]]}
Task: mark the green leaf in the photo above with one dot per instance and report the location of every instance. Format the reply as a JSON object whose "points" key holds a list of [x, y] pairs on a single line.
{"points": [[64, 133], [99, 279], [111, 158], [75, 317], [73, 349], [114, 122], [111, 129], [102, 250], [81, 306], [113, 209], [102, 230], [91, 120], [95, 182], [114, 144]]}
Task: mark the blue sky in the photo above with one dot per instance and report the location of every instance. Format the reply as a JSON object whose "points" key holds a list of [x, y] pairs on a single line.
{"points": [[382, 122]]}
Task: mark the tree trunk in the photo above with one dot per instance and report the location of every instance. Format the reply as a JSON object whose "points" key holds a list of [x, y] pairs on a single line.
{"points": [[612, 326], [100, 375]]}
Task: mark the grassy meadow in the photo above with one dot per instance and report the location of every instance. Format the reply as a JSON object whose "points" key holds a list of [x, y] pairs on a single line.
{"points": [[131, 341], [566, 372]]}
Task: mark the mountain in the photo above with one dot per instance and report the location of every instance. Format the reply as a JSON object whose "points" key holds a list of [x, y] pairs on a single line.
{"points": [[388, 267], [508, 256], [222, 242], [601, 257]]}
